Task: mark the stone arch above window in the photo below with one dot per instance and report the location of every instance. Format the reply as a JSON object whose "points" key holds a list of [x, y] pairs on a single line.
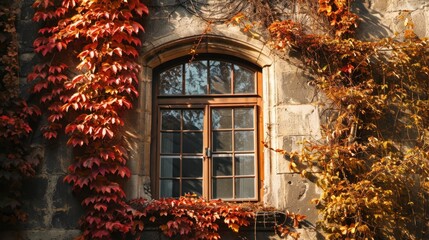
{"points": [[250, 50], [158, 52]]}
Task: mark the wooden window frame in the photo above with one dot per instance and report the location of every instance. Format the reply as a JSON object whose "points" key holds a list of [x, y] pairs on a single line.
{"points": [[207, 102]]}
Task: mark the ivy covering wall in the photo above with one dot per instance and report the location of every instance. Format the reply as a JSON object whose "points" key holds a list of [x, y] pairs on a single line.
{"points": [[373, 158]]}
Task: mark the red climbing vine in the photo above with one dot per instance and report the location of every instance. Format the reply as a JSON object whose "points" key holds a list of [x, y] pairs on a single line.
{"points": [[191, 217], [342, 21], [87, 97]]}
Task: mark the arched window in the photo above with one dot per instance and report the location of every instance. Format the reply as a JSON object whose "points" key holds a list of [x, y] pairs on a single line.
{"points": [[207, 116]]}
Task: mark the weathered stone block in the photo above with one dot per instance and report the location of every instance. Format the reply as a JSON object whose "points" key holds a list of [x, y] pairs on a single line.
{"points": [[67, 219], [155, 32], [63, 196], [27, 12], [27, 33], [296, 194], [293, 88], [34, 191], [420, 20], [138, 187], [58, 156], [372, 24], [27, 61], [290, 144], [298, 120], [36, 217]]}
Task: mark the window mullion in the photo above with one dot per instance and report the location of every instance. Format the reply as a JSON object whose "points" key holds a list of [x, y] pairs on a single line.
{"points": [[206, 160], [232, 79], [181, 154], [233, 151], [183, 79], [208, 77], [255, 150]]}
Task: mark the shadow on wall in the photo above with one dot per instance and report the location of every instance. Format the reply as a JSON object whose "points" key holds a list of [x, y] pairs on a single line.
{"points": [[370, 27]]}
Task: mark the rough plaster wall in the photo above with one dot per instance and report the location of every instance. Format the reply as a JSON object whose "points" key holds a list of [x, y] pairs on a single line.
{"points": [[386, 18]]}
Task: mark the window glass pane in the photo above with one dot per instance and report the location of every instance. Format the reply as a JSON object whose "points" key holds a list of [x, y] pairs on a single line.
{"points": [[170, 188], [222, 188], [220, 77], [222, 118], [193, 119], [170, 142], [170, 81], [192, 167], [244, 188], [170, 167], [243, 141], [196, 78], [192, 186], [244, 164], [244, 80], [243, 118], [222, 141], [193, 142], [170, 119], [222, 166]]}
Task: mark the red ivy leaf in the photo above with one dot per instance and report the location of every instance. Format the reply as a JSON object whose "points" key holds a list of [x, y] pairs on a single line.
{"points": [[348, 68], [50, 134], [124, 172]]}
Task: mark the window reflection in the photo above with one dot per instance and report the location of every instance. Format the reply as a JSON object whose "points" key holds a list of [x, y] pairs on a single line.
{"points": [[170, 188], [243, 141], [244, 164], [170, 119], [222, 166], [222, 118], [170, 167], [170, 82], [192, 167], [244, 80], [220, 77], [222, 141], [193, 119], [244, 187], [192, 142], [196, 78], [192, 186], [170, 142], [222, 188], [243, 118]]}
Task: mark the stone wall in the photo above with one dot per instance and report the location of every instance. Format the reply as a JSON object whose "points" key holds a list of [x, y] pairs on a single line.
{"points": [[52, 210], [387, 18], [291, 110]]}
